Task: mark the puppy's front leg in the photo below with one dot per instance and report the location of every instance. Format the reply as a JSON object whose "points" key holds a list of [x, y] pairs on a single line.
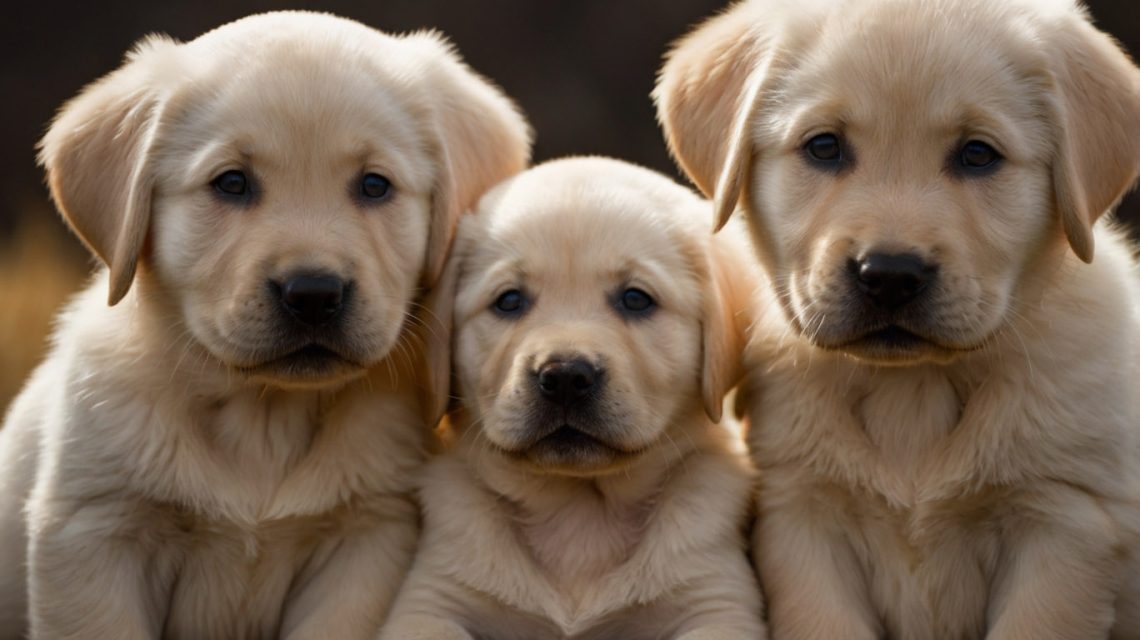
{"points": [[88, 578], [724, 606], [1058, 579], [350, 591], [431, 603], [810, 575], [720, 633]]}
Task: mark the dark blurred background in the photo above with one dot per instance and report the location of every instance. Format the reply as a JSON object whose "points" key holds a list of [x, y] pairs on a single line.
{"points": [[581, 70]]}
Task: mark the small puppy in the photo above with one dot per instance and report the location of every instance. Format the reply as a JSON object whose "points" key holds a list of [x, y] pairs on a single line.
{"points": [[586, 493], [226, 452], [945, 411]]}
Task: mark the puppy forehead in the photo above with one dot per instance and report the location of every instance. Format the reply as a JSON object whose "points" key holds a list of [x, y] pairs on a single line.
{"points": [[308, 99], [573, 227], [585, 191], [946, 66], [580, 238]]}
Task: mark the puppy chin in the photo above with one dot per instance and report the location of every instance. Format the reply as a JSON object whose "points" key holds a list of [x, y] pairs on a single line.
{"points": [[310, 367], [891, 356], [891, 346], [301, 379]]}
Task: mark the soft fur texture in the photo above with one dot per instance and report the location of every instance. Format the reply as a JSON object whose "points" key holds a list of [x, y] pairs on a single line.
{"points": [[641, 538], [979, 476], [171, 470]]}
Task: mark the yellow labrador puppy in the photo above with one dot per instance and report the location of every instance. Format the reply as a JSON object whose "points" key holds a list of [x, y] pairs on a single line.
{"points": [[588, 492], [227, 450], [945, 406]]}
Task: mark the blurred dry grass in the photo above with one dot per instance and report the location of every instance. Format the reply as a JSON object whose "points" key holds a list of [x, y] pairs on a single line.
{"points": [[39, 270]]}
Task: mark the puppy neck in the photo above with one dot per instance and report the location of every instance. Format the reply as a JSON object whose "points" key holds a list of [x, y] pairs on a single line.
{"points": [[1069, 325], [578, 529], [243, 452]]}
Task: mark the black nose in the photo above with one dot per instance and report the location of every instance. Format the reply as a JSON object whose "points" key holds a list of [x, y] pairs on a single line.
{"points": [[567, 382], [892, 280], [313, 299]]}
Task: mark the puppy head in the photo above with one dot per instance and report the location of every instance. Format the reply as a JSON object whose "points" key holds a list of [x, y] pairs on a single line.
{"points": [[902, 180], [588, 320], [283, 185]]}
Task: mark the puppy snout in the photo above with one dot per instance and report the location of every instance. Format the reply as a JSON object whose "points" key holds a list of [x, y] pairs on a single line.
{"points": [[312, 299], [568, 382], [891, 281]]}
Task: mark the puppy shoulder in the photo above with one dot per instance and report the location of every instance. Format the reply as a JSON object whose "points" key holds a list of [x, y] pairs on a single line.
{"points": [[712, 496], [453, 499], [1104, 295], [93, 336]]}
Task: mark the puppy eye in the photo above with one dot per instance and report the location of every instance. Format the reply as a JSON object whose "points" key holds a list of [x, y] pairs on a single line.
{"points": [[976, 155], [374, 186], [231, 183], [635, 302], [510, 303], [825, 149]]}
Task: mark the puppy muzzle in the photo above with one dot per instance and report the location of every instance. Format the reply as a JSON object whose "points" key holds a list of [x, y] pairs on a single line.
{"points": [[567, 393]]}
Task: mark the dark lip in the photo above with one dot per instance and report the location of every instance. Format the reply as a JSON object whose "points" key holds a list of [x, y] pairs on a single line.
{"points": [[892, 337], [311, 360], [310, 352], [569, 438]]}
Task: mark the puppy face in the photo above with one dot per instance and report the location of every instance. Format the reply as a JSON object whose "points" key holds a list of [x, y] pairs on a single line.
{"points": [[294, 180], [580, 318], [906, 187], [294, 238], [904, 181]]}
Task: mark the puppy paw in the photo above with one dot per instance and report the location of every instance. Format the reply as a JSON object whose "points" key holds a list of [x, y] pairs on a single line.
{"points": [[421, 627], [723, 633]]}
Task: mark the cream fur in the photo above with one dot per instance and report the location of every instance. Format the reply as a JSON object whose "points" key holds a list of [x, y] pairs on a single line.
{"points": [[162, 475], [986, 483], [645, 545]]}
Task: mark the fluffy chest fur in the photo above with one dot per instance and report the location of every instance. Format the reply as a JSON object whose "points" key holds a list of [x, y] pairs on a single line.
{"points": [[569, 558], [865, 466], [575, 556], [217, 579], [247, 457]]}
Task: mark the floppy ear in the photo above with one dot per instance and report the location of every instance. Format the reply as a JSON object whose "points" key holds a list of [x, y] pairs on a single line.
{"points": [[482, 139], [435, 334], [97, 155], [706, 95], [723, 337], [1097, 120]]}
